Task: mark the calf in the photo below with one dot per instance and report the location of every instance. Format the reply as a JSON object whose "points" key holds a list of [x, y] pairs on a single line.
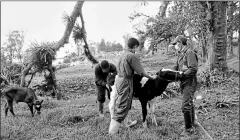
{"points": [[145, 90], [21, 94]]}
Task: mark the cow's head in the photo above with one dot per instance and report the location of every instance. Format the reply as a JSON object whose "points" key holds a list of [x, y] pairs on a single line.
{"points": [[38, 105], [169, 74], [111, 79]]}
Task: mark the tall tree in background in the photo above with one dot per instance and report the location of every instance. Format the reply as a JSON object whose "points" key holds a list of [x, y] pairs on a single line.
{"points": [[13, 47], [219, 35], [238, 29], [43, 54], [229, 29], [205, 21]]}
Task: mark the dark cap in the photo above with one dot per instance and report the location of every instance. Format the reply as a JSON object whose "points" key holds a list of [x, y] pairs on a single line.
{"points": [[104, 64], [132, 42], [180, 38]]}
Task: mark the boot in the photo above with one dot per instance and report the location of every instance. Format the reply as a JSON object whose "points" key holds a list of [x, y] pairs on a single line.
{"points": [[193, 117], [114, 127], [188, 125], [100, 108]]}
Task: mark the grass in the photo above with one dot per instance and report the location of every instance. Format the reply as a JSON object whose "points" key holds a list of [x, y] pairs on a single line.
{"points": [[76, 117]]}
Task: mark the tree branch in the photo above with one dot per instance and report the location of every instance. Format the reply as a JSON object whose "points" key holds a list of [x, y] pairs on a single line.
{"points": [[69, 27]]}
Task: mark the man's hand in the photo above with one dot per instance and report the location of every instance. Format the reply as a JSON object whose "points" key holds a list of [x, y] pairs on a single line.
{"points": [[152, 77], [107, 86]]}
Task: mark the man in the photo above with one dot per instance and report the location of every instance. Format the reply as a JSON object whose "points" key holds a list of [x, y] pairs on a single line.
{"points": [[187, 62], [101, 72], [128, 63]]}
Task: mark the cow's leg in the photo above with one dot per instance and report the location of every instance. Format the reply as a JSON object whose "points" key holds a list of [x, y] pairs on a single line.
{"points": [[144, 113], [10, 106], [152, 110], [6, 109], [31, 109], [111, 105]]}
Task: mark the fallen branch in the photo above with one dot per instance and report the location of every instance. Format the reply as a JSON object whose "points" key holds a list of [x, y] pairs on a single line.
{"points": [[202, 129], [29, 82]]}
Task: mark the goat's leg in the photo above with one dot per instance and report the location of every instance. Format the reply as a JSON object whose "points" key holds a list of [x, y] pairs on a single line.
{"points": [[144, 113], [31, 109], [6, 109]]}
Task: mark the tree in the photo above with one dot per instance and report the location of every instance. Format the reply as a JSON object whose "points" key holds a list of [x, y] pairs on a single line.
{"points": [[219, 35], [13, 46], [232, 24], [238, 29], [109, 46], [44, 53], [102, 46]]}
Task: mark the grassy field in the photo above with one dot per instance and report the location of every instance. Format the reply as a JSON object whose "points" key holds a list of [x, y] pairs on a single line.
{"points": [[76, 117]]}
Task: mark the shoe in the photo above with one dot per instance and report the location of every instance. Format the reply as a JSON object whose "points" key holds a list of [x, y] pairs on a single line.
{"points": [[188, 131], [101, 115], [114, 127], [186, 134], [100, 108], [194, 124], [132, 123]]}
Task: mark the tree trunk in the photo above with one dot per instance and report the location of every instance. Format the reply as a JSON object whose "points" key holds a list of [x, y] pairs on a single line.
{"points": [[238, 32], [167, 44], [163, 8], [203, 39], [24, 74], [65, 39], [219, 36], [229, 29], [86, 47]]}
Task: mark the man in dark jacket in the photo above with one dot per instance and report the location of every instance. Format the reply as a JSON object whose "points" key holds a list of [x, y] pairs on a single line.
{"points": [[101, 72], [187, 62]]}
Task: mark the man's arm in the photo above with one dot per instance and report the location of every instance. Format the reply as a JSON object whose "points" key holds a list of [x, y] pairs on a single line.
{"points": [[98, 78], [113, 69], [137, 66], [192, 64], [176, 66]]}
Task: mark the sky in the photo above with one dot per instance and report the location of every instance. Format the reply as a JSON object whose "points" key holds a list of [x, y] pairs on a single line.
{"points": [[42, 20]]}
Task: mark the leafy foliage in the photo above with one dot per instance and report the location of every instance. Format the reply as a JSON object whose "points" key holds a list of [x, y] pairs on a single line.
{"points": [[11, 73], [41, 55], [78, 33], [12, 48]]}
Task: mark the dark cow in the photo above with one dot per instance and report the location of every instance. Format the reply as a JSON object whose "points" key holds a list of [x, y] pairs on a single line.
{"points": [[21, 94], [146, 90]]}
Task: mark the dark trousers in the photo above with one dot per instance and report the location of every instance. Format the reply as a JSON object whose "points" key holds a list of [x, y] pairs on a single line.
{"points": [[101, 94], [187, 100]]}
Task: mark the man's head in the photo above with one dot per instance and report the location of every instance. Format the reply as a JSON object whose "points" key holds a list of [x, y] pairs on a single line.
{"points": [[105, 66], [179, 42], [132, 44]]}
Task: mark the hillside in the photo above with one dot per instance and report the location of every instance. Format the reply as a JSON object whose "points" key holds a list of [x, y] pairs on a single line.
{"points": [[75, 117]]}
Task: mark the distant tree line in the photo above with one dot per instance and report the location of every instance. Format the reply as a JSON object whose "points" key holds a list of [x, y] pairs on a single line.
{"points": [[107, 46]]}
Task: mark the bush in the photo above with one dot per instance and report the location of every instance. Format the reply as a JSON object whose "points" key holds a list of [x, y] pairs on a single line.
{"points": [[66, 60]]}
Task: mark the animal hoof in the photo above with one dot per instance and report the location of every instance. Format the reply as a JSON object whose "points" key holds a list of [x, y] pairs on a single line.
{"points": [[131, 123], [145, 124]]}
